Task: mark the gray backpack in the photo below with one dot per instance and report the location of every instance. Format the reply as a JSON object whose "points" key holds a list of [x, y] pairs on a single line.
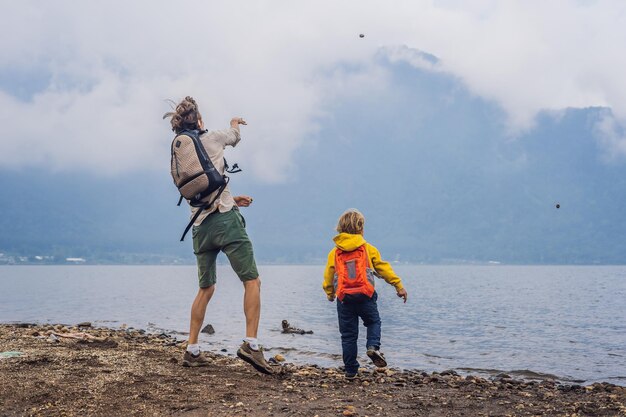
{"points": [[194, 174]]}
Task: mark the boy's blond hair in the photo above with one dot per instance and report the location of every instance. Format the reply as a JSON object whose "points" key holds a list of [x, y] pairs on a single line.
{"points": [[351, 221]]}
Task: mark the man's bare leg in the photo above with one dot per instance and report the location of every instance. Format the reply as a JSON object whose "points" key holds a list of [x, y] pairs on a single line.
{"points": [[252, 306], [249, 350], [198, 310]]}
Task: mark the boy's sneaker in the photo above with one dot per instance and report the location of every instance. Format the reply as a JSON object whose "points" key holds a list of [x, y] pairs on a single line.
{"points": [[194, 360], [350, 376], [254, 358], [377, 357]]}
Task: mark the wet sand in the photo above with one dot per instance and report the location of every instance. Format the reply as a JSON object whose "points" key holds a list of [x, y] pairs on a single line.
{"points": [[106, 372]]}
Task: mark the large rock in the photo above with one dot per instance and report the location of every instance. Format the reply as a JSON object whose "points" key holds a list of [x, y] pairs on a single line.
{"points": [[288, 328], [208, 329]]}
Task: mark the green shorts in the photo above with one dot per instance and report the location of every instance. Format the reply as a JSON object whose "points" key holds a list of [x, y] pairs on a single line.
{"points": [[224, 232]]}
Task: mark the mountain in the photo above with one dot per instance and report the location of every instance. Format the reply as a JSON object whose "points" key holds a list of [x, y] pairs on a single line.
{"points": [[433, 168]]}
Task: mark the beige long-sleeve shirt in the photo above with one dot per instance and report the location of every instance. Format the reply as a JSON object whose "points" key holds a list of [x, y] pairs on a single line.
{"points": [[214, 143]]}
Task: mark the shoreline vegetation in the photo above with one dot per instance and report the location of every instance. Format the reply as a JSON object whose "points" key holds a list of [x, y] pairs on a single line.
{"points": [[52, 370]]}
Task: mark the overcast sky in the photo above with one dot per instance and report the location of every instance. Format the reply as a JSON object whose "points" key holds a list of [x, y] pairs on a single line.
{"points": [[83, 84]]}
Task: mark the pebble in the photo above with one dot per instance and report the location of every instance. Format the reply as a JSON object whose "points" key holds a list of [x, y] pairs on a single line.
{"points": [[349, 411], [451, 372], [84, 324], [10, 354], [279, 357]]}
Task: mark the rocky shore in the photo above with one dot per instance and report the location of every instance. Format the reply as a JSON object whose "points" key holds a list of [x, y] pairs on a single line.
{"points": [[80, 370]]}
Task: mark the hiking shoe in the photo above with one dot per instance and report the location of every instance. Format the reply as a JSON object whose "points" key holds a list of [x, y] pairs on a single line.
{"points": [[254, 358], [377, 357], [350, 376], [190, 360]]}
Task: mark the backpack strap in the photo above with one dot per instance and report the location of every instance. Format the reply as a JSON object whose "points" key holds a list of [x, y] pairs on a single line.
{"points": [[201, 209], [191, 222], [235, 169], [367, 255]]}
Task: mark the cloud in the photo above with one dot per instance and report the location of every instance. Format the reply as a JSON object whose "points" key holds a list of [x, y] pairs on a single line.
{"points": [[103, 69], [611, 136]]}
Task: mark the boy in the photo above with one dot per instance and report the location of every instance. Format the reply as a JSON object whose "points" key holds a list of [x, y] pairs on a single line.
{"points": [[349, 276]]}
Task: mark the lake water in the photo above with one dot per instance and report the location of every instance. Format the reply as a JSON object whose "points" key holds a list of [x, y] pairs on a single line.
{"points": [[566, 321]]}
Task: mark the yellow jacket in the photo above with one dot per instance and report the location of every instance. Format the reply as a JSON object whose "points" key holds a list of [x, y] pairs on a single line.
{"points": [[349, 242]]}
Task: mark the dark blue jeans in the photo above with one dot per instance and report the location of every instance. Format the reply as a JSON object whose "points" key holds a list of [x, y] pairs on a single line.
{"points": [[349, 311]]}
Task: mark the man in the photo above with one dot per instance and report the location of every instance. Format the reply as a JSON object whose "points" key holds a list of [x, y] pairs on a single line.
{"points": [[221, 227]]}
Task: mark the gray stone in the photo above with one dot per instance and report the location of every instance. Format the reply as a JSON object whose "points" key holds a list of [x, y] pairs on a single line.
{"points": [[208, 329], [287, 328], [451, 372]]}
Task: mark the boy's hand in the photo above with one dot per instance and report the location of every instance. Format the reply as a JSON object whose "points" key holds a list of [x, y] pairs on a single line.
{"points": [[331, 297], [403, 294]]}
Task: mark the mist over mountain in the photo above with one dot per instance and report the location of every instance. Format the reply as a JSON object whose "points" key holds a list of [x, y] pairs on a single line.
{"points": [[434, 168]]}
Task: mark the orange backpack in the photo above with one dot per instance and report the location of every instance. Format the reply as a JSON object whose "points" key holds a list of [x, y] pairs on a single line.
{"points": [[351, 271]]}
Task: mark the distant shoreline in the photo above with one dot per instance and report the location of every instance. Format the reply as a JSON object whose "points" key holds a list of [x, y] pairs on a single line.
{"points": [[56, 369], [192, 263]]}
